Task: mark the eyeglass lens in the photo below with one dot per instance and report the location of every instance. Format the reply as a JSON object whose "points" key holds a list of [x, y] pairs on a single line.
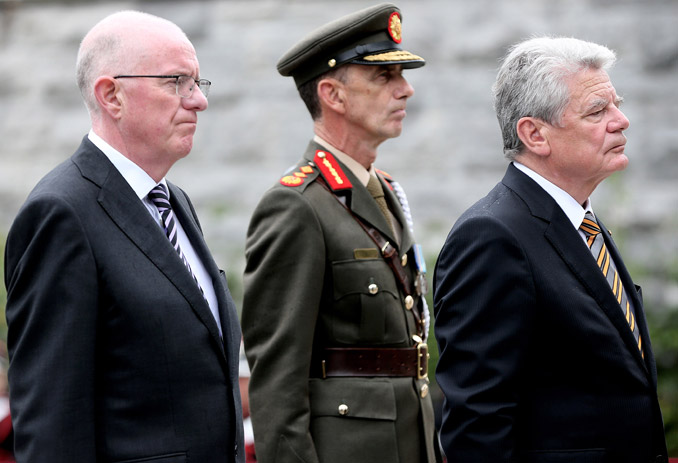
{"points": [[186, 84]]}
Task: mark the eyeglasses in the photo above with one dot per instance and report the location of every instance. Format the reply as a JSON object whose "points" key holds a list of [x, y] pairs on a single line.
{"points": [[185, 84]]}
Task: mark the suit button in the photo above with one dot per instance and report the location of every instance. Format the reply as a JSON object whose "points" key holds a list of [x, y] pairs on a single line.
{"points": [[343, 409], [409, 302], [373, 288], [403, 260], [424, 390]]}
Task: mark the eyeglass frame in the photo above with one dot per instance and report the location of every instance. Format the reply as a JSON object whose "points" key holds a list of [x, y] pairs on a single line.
{"points": [[176, 83]]}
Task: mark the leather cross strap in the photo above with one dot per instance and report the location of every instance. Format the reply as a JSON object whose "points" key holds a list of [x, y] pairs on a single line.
{"points": [[388, 252], [369, 361]]}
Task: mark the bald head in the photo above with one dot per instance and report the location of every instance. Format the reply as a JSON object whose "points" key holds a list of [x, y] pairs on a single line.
{"points": [[117, 44]]}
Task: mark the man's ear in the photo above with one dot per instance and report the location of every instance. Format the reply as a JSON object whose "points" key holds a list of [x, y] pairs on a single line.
{"points": [[108, 94], [331, 94], [533, 133]]}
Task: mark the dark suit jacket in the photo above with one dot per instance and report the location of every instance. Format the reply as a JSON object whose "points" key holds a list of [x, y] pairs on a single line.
{"points": [[537, 362], [114, 354], [309, 268]]}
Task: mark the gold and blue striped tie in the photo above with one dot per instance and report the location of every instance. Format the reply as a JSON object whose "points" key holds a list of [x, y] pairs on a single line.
{"points": [[602, 255]]}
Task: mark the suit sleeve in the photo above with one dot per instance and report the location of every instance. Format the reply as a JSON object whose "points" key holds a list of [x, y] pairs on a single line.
{"points": [[484, 300], [283, 286], [51, 280]]}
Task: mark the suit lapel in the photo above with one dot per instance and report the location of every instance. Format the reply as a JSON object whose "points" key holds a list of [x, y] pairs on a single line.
{"points": [[230, 326], [573, 251], [407, 239], [186, 216], [364, 206], [122, 205], [634, 295]]}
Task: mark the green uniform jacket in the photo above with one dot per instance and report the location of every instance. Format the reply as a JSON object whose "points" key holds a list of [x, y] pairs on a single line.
{"points": [[309, 266]]}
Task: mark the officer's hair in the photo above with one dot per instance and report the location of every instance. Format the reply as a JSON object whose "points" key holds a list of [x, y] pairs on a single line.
{"points": [[533, 82], [309, 90]]}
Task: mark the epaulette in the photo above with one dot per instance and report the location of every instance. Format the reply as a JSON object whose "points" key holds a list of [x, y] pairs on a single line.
{"points": [[298, 177]]}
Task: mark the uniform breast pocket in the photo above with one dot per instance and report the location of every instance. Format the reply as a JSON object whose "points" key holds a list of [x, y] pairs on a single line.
{"points": [[367, 307], [353, 420]]}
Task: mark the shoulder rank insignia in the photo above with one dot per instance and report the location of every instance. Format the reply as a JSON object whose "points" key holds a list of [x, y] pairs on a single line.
{"points": [[291, 180], [331, 171], [297, 177]]}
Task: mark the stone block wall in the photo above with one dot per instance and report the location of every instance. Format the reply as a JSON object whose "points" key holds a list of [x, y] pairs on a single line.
{"points": [[449, 154]]}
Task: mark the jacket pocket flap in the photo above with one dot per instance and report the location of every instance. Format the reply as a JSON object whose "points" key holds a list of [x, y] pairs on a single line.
{"points": [[353, 398]]}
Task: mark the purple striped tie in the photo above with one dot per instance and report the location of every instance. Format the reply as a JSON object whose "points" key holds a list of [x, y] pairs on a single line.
{"points": [[160, 199]]}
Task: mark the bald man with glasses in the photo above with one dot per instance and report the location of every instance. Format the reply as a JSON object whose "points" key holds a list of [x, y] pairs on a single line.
{"points": [[123, 337]]}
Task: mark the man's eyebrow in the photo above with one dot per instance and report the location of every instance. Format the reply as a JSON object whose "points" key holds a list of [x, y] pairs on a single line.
{"points": [[602, 102], [597, 103]]}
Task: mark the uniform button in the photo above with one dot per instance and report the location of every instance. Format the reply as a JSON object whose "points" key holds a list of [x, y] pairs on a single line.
{"points": [[321, 155], [343, 409], [409, 302], [403, 260], [424, 390], [373, 288]]}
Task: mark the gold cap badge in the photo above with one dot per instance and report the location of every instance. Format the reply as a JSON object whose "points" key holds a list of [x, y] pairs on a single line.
{"points": [[395, 28]]}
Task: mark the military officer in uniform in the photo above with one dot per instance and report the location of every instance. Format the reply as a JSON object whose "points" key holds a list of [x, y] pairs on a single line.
{"points": [[334, 318]]}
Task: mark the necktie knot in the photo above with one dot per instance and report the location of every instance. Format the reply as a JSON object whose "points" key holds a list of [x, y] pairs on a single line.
{"points": [[590, 228], [159, 197], [374, 187]]}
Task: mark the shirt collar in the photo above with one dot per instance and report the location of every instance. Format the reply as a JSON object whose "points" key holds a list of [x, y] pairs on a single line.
{"points": [[572, 209], [362, 174], [135, 176]]}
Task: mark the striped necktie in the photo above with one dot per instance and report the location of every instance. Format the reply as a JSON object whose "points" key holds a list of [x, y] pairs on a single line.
{"points": [[596, 243], [160, 199]]}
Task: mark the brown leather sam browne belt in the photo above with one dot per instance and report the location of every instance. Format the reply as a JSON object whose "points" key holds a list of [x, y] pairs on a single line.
{"points": [[368, 361]]}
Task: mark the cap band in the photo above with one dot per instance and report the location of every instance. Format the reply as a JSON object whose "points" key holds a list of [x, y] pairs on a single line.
{"points": [[365, 49]]}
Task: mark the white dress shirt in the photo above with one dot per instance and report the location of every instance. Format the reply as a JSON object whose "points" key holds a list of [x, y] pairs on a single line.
{"points": [[573, 210]]}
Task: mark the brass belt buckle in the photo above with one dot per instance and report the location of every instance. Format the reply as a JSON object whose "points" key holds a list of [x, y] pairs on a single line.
{"points": [[422, 357]]}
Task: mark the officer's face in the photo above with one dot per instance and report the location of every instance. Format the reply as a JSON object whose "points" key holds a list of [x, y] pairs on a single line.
{"points": [[376, 97]]}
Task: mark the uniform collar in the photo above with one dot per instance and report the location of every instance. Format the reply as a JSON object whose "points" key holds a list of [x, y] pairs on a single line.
{"points": [[362, 174]]}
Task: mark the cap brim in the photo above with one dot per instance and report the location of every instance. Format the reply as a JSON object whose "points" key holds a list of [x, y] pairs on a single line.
{"points": [[403, 57]]}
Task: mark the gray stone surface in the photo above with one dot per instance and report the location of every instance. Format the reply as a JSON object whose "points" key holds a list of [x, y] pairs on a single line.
{"points": [[449, 154]]}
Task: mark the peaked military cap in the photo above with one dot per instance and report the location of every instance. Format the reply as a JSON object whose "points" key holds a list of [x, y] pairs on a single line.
{"points": [[371, 36]]}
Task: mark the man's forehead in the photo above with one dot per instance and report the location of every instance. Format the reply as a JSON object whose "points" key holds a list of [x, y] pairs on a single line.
{"points": [[591, 85]]}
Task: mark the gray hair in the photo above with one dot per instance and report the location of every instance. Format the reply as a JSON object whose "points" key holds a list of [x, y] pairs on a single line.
{"points": [[532, 81], [106, 49]]}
